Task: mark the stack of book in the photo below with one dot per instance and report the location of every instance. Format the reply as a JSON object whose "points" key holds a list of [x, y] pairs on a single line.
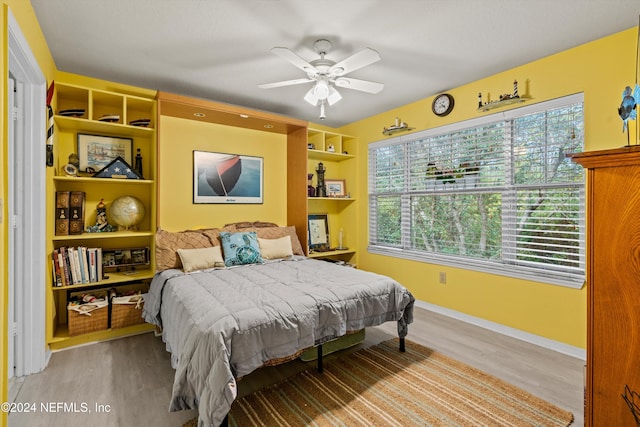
{"points": [[76, 265], [69, 212]]}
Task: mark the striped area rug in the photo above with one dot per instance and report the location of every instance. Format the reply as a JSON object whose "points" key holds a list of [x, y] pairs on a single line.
{"points": [[379, 386]]}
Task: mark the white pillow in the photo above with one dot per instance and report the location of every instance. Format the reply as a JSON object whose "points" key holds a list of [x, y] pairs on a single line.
{"points": [[201, 258], [275, 248]]}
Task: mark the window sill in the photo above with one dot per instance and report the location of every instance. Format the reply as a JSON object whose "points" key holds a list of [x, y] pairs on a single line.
{"points": [[550, 278]]}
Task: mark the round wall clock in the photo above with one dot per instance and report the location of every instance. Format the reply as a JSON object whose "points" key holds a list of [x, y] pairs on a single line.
{"points": [[442, 104]]}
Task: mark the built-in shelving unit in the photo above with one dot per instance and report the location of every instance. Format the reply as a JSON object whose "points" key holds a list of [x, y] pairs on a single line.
{"points": [[338, 153], [94, 104]]}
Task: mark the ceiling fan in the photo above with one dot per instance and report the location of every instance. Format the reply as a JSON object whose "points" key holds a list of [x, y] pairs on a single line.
{"points": [[327, 73]]}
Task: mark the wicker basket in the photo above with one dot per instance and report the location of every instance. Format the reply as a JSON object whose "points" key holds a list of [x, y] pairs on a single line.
{"points": [[125, 312], [83, 324]]}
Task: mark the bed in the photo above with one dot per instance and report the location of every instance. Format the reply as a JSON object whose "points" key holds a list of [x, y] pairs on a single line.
{"points": [[222, 322]]}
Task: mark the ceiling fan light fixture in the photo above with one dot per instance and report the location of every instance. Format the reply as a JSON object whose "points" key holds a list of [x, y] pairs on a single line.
{"points": [[321, 89], [311, 97], [334, 96]]}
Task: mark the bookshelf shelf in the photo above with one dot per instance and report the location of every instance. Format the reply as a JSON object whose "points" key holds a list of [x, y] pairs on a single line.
{"points": [[102, 236], [111, 279], [62, 339]]}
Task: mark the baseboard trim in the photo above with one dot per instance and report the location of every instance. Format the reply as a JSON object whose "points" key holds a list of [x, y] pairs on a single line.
{"points": [[558, 346]]}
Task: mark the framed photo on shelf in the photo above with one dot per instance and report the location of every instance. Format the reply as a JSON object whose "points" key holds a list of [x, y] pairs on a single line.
{"points": [[227, 178], [319, 232], [125, 259], [335, 187], [96, 152]]}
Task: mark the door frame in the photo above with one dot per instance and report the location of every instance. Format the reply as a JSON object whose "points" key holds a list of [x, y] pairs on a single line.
{"points": [[30, 226]]}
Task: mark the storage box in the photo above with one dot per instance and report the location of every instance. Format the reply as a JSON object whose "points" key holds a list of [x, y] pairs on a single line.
{"points": [[86, 318], [127, 310]]}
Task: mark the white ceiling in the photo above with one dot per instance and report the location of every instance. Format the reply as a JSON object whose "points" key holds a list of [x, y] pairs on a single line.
{"points": [[220, 49]]}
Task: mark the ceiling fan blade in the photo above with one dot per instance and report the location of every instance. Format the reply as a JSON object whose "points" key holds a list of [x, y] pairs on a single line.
{"points": [[296, 60], [284, 83], [357, 84], [356, 61]]}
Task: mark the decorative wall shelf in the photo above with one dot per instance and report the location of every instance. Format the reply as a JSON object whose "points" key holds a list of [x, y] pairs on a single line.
{"points": [[503, 103], [396, 129]]}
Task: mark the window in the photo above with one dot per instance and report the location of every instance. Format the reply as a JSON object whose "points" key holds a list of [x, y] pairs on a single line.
{"points": [[495, 194]]}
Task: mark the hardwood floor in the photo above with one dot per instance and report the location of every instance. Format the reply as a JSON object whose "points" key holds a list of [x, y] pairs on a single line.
{"points": [[127, 382]]}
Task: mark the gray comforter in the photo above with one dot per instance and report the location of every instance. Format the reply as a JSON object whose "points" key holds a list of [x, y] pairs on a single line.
{"points": [[220, 325]]}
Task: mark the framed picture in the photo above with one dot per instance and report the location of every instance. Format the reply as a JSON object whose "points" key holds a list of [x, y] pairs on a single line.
{"points": [[96, 152], [319, 232], [125, 259], [227, 178], [335, 187]]}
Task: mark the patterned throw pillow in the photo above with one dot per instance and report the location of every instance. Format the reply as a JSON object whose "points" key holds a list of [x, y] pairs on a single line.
{"points": [[240, 248]]}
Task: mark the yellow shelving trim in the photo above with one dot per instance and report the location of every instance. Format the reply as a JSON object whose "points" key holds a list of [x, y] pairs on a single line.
{"points": [[105, 235], [111, 278], [61, 339]]}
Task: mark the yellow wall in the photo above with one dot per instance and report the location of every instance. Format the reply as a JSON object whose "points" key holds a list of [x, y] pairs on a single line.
{"points": [[177, 140], [600, 69], [26, 18]]}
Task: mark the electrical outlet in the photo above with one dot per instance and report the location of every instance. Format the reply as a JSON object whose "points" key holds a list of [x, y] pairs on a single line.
{"points": [[443, 277]]}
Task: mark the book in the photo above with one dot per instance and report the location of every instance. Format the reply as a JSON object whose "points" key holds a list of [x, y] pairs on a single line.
{"points": [[66, 266], [92, 254], [62, 212], [72, 265], [76, 212], [85, 264], [99, 264], [81, 262], [57, 276]]}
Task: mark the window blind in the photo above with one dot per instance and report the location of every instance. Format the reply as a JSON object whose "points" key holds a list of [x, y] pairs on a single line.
{"points": [[497, 192]]}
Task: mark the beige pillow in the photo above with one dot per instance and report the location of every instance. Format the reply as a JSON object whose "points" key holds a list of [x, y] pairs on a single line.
{"points": [[201, 258], [167, 243], [275, 248], [277, 232]]}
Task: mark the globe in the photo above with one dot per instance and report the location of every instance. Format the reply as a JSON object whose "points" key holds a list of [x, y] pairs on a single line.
{"points": [[126, 211]]}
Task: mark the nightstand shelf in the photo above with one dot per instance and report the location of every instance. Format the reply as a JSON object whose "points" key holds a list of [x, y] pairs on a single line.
{"points": [[336, 252]]}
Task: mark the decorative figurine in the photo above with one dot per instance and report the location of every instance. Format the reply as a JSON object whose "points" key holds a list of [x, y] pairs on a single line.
{"points": [[321, 191], [74, 160], [101, 226], [627, 109], [311, 191], [138, 164], [331, 148]]}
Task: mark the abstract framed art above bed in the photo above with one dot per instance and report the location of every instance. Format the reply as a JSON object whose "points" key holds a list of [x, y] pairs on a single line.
{"points": [[227, 178], [225, 320]]}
